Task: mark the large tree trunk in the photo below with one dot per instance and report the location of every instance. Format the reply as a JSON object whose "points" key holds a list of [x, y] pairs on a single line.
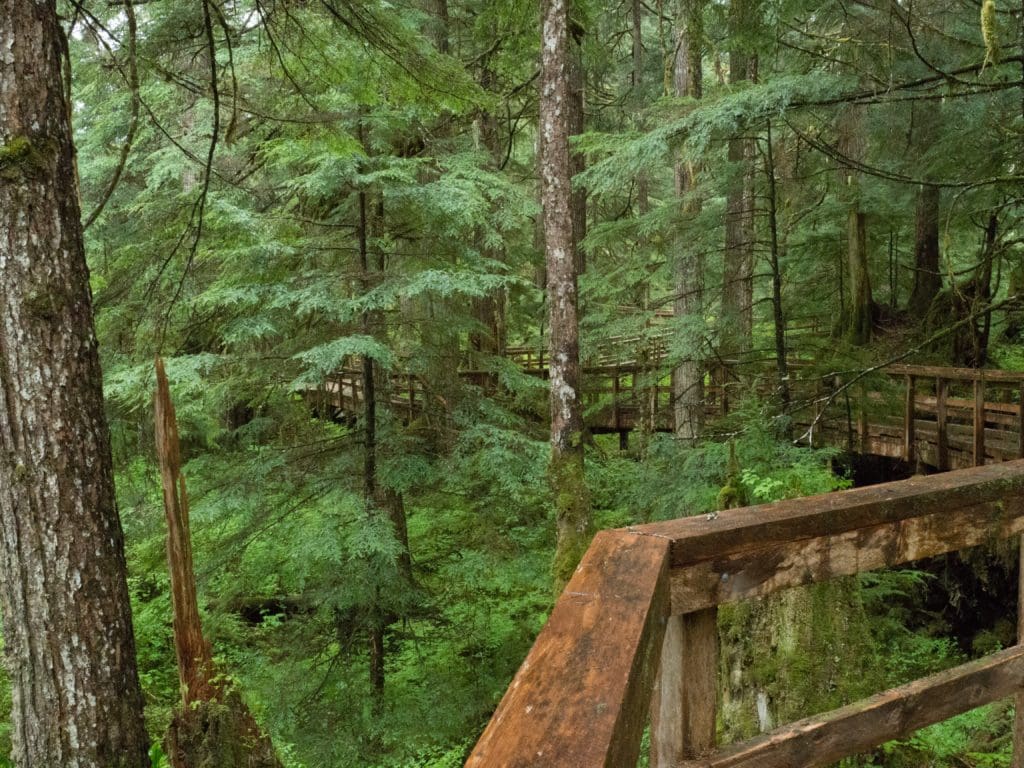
{"points": [[66, 617], [688, 377], [927, 279], [572, 507], [858, 322]]}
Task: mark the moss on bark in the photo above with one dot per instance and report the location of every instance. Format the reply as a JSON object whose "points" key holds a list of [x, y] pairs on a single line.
{"points": [[572, 512]]}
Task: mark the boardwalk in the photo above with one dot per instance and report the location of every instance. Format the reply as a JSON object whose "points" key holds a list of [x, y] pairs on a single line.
{"points": [[945, 418]]}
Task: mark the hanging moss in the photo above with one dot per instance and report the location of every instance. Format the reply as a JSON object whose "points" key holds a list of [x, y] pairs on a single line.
{"points": [[989, 32]]}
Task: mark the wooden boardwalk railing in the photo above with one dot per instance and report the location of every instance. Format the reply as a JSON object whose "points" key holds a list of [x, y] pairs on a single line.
{"points": [[633, 638], [945, 417], [948, 418]]}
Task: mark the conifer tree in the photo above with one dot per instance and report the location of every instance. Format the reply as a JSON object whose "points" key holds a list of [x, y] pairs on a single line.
{"points": [[63, 591], [566, 468]]}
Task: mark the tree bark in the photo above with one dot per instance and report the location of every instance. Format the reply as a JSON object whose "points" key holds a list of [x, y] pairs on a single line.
{"points": [[688, 377], [738, 284], [858, 322], [927, 279], [489, 311], [778, 315], [572, 508], [577, 162], [67, 623]]}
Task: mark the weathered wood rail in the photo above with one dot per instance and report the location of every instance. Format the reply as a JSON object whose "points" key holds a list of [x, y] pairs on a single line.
{"points": [[945, 417], [633, 638]]}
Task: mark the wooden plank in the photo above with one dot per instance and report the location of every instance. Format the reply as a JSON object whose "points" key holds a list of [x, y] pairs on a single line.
{"points": [[942, 450], [706, 537], [908, 419], [581, 697], [780, 566], [615, 401], [979, 422], [825, 739], [685, 701]]}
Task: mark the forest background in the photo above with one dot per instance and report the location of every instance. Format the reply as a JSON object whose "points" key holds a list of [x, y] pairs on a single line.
{"points": [[274, 191]]}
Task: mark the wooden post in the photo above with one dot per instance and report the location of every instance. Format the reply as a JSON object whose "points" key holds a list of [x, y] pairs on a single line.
{"points": [[615, 401], [979, 421], [685, 700], [1018, 718], [942, 450], [863, 426], [1020, 423], [908, 420]]}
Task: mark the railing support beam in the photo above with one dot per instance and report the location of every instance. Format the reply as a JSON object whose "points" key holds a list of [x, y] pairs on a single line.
{"points": [[685, 701], [908, 420], [979, 422]]}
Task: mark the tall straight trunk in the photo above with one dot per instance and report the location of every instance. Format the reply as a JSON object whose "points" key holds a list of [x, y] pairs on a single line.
{"points": [[577, 162], [688, 377], [927, 278], [489, 311], [778, 316], [572, 507], [738, 282], [67, 624], [858, 320], [369, 383]]}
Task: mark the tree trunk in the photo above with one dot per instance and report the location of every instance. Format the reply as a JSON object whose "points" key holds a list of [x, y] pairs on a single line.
{"points": [[860, 323], [67, 623], [212, 725], [778, 316], [738, 285], [572, 507], [688, 377], [927, 278], [489, 311], [858, 318], [577, 162]]}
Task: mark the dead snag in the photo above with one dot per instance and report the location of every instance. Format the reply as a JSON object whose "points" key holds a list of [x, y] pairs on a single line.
{"points": [[213, 726]]}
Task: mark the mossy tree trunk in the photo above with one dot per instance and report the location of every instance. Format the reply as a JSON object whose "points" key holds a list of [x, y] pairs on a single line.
{"points": [[572, 506], [67, 627]]}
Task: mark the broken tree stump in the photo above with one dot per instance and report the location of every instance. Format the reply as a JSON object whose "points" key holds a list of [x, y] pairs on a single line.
{"points": [[213, 728]]}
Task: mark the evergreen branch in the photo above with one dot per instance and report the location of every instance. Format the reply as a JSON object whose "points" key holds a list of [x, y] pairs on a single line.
{"points": [[133, 119]]}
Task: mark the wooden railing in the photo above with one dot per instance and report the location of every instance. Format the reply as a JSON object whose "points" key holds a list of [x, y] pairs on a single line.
{"points": [[945, 417], [633, 638], [948, 418]]}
